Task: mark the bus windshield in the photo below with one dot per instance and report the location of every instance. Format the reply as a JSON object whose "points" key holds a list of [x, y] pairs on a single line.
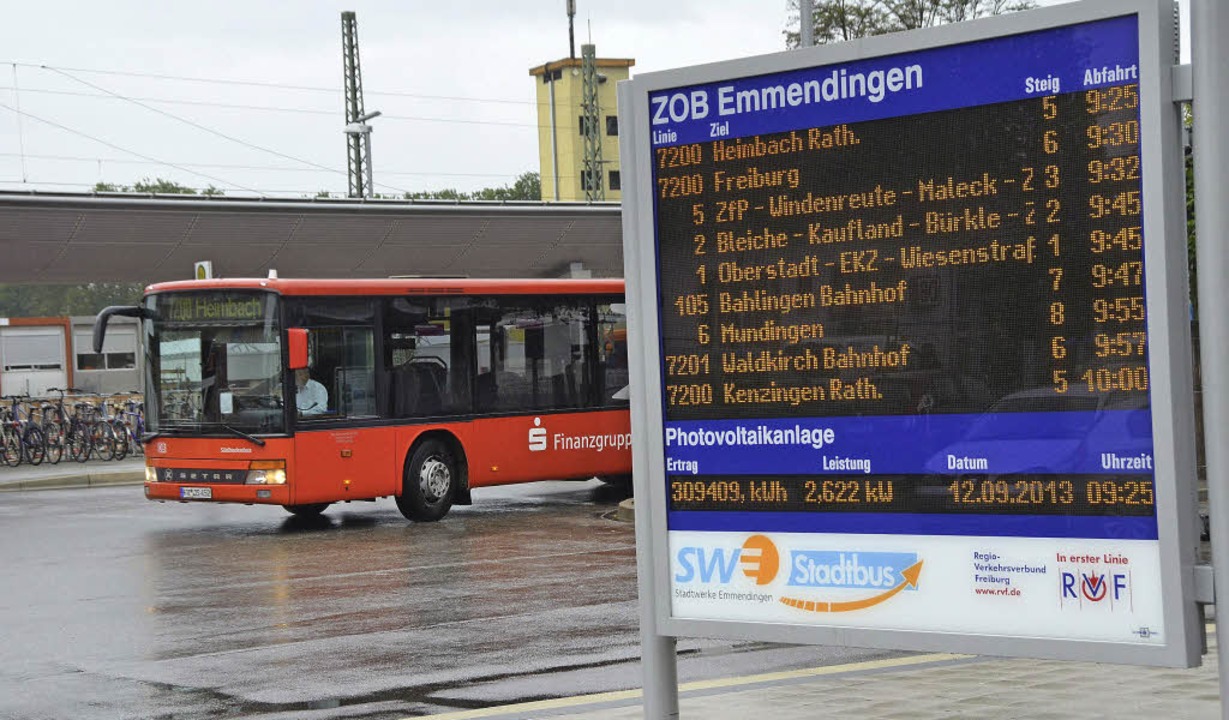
{"points": [[214, 363]]}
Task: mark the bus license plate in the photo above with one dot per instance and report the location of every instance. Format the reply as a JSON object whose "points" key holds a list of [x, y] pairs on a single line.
{"points": [[196, 493]]}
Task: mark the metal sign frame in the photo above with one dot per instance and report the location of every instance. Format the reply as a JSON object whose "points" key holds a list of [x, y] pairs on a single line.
{"points": [[1169, 355]]}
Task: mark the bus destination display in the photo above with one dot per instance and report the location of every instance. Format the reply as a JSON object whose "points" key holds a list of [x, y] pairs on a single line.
{"points": [[903, 298]]}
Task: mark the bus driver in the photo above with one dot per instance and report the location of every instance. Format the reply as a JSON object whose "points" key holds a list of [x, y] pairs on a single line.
{"points": [[311, 398]]}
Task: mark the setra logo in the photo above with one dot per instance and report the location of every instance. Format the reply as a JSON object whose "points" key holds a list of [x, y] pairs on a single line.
{"points": [[537, 436], [758, 556], [162, 448]]}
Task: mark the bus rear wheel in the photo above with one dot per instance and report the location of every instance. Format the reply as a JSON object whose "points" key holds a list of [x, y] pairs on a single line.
{"points": [[430, 483], [309, 510]]}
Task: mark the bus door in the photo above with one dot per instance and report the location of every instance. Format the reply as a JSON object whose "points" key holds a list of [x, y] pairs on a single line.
{"points": [[341, 449]]}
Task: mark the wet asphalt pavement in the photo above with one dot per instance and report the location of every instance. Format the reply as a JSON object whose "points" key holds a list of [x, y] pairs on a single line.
{"points": [[115, 607]]}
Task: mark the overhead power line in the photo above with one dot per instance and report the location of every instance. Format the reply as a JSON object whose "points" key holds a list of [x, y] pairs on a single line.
{"points": [[271, 108], [181, 168], [225, 166], [206, 128], [280, 86], [107, 94], [21, 135]]}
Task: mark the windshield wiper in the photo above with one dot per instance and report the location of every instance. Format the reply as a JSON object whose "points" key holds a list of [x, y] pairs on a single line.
{"points": [[239, 433], [200, 427], [168, 429]]}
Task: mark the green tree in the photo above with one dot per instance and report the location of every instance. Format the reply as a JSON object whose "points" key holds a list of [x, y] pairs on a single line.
{"points": [[157, 185], [840, 20], [60, 300], [526, 186]]}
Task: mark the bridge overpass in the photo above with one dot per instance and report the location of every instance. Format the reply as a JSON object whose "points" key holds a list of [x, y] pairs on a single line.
{"points": [[116, 237]]}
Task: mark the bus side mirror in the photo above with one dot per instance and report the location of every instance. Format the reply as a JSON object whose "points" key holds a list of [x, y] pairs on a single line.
{"points": [[100, 322], [297, 345]]}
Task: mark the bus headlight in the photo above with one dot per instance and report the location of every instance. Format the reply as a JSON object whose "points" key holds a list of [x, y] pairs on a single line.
{"points": [[267, 472], [151, 474]]}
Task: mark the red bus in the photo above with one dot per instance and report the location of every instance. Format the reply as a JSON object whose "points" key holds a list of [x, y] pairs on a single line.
{"points": [[303, 393]]}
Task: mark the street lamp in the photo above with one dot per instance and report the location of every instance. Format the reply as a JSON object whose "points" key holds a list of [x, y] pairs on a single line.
{"points": [[360, 127]]}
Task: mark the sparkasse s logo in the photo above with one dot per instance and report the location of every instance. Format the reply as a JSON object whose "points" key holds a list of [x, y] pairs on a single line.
{"points": [[537, 436]]}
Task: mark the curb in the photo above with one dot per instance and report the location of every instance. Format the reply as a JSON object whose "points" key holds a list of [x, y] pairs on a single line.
{"points": [[627, 511], [60, 482]]}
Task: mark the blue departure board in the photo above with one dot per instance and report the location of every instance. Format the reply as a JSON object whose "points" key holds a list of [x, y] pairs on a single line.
{"points": [[906, 294]]}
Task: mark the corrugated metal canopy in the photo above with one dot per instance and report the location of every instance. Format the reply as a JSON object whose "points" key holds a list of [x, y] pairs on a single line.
{"points": [[69, 238]]}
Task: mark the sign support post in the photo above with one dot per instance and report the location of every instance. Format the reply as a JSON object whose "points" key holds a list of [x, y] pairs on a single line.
{"points": [[1209, 57], [657, 650]]}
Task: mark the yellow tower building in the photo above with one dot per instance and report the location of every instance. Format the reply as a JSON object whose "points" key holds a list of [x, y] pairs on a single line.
{"points": [[561, 138]]}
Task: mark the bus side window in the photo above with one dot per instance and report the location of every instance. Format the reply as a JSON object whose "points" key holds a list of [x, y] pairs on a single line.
{"points": [[342, 352], [534, 354], [612, 374], [428, 356]]}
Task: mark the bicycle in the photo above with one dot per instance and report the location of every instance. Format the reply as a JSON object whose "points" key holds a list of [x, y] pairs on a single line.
{"points": [[10, 442], [22, 440], [132, 424], [100, 434], [53, 425], [78, 439], [114, 428]]}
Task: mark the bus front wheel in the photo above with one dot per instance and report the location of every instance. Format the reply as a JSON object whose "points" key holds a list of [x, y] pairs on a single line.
{"points": [[430, 483]]}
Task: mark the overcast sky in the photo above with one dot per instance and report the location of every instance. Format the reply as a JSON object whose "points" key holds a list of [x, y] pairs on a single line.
{"points": [[450, 77]]}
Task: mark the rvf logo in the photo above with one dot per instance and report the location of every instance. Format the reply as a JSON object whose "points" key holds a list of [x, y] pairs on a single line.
{"points": [[1092, 588], [758, 556]]}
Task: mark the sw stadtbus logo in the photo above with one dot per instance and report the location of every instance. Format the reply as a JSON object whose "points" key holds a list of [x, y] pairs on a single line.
{"points": [[537, 436], [858, 580]]}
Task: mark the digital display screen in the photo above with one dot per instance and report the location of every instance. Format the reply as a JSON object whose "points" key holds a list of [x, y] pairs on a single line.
{"points": [[906, 294]]}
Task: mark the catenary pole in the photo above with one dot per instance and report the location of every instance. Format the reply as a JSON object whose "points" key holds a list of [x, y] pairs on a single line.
{"points": [[1209, 60]]}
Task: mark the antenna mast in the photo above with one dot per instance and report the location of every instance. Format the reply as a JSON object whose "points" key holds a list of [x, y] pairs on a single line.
{"points": [[571, 30]]}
